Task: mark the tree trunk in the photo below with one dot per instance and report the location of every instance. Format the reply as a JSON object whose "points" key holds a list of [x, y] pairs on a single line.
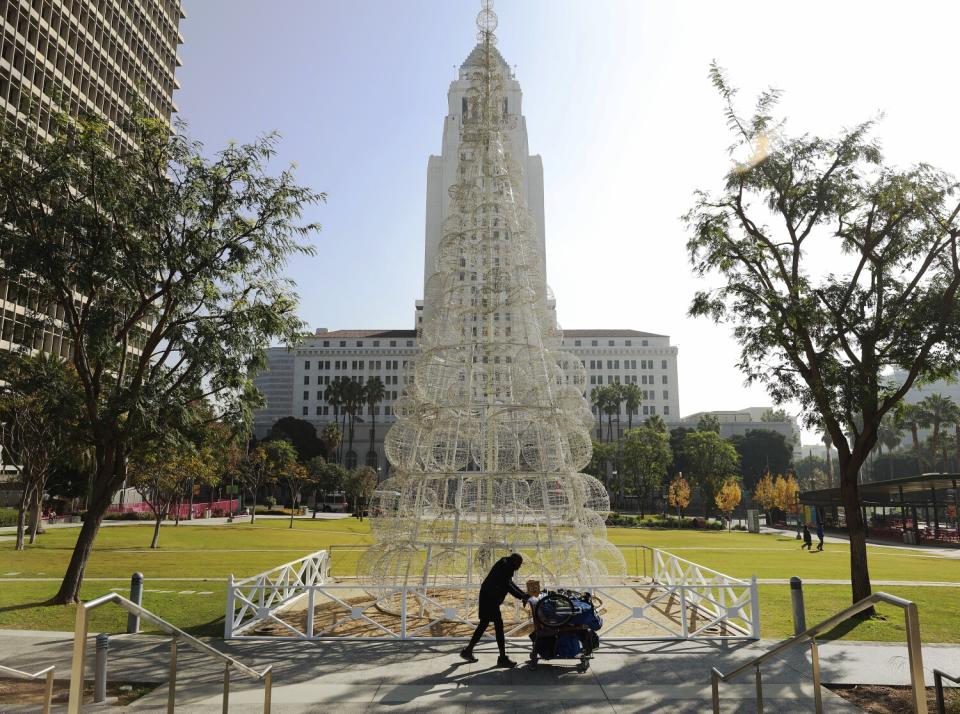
{"points": [[156, 530], [107, 480], [916, 448], [35, 514], [253, 513], [856, 531], [293, 503], [22, 517]]}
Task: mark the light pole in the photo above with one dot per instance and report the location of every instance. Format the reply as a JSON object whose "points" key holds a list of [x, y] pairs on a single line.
{"points": [[613, 474]]}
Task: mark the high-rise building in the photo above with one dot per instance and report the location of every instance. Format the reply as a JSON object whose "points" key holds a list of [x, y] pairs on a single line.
{"points": [[610, 356], [100, 57]]}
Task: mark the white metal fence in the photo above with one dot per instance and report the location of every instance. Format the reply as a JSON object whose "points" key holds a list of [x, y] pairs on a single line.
{"points": [[677, 600]]}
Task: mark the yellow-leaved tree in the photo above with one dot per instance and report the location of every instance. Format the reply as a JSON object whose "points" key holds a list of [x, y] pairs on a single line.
{"points": [[765, 495], [728, 498], [679, 494]]}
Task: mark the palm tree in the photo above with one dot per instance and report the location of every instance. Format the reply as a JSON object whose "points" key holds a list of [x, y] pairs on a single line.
{"points": [[656, 422], [828, 442], [938, 410], [618, 395], [374, 393], [611, 407], [889, 435], [632, 398], [331, 437], [914, 418], [598, 396], [353, 403], [336, 398]]}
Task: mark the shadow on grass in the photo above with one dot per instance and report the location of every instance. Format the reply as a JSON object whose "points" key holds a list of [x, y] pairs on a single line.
{"points": [[28, 606]]}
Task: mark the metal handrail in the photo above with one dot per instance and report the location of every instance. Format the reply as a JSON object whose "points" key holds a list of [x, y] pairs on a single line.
{"points": [[80, 643], [938, 676], [914, 654], [46, 673]]}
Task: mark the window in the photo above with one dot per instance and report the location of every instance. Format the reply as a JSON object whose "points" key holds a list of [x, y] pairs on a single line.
{"points": [[409, 343], [610, 343], [609, 364], [576, 343], [359, 343], [343, 343], [306, 379], [666, 394], [319, 411], [306, 395], [319, 396], [593, 379], [593, 343], [666, 410], [326, 364], [653, 408], [646, 410], [664, 379], [306, 411], [609, 379], [326, 343], [616, 364], [628, 343], [306, 365], [376, 343], [393, 343], [644, 343], [663, 364]]}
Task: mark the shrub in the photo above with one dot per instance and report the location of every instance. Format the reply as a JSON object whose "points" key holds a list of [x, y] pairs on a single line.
{"points": [[8, 517], [270, 502], [218, 513], [128, 516]]}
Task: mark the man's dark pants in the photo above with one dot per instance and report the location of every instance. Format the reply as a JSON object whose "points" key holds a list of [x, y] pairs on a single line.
{"points": [[490, 612]]}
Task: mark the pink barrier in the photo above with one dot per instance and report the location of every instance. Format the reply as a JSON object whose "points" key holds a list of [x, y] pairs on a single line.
{"points": [[227, 506]]}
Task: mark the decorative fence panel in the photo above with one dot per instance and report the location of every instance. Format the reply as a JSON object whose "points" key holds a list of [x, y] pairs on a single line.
{"points": [[680, 600]]}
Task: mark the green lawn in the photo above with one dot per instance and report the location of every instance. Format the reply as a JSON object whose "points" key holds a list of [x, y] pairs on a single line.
{"points": [[210, 553]]}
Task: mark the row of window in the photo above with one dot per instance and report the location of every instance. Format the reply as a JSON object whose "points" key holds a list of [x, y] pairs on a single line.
{"points": [[325, 411], [627, 364], [628, 379], [374, 343], [611, 343], [386, 379], [358, 364]]}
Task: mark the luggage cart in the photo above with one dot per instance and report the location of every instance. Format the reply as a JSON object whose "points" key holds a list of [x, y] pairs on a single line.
{"points": [[565, 625]]}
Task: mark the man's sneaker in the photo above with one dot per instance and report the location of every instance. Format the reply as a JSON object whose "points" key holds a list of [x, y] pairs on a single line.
{"points": [[467, 654], [505, 662]]}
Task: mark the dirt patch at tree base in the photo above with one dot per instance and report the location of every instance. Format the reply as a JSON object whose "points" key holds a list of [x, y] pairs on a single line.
{"points": [[29, 692], [879, 699]]}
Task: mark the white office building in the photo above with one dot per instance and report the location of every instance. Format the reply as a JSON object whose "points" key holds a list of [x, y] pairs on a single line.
{"points": [[296, 380]]}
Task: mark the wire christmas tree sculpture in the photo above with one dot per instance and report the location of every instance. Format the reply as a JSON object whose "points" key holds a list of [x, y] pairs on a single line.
{"points": [[491, 436]]}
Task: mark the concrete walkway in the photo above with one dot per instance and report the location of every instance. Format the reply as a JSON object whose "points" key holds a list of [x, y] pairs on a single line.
{"points": [[420, 676], [6, 530]]}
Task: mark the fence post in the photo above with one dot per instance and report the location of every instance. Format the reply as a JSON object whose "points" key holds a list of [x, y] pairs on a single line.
{"points": [[100, 669], [754, 608], [229, 614], [796, 600], [136, 597], [403, 613], [311, 600]]}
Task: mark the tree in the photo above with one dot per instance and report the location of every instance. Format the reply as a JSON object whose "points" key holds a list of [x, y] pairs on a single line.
{"points": [[677, 437], [327, 477], [162, 470], [765, 495], [335, 395], [939, 410], [646, 457], [786, 490], [775, 415], [295, 476], [598, 397], [829, 341], [728, 498], [809, 469], [655, 421], [302, 434], [374, 392], [331, 437], [913, 417], [709, 422], [761, 450], [632, 398], [678, 494], [360, 485], [710, 460], [40, 403], [264, 465], [177, 258]]}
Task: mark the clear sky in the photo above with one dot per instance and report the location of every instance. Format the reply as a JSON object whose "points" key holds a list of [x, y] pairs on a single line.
{"points": [[617, 102]]}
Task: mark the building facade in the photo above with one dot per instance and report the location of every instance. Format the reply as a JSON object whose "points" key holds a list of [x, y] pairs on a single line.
{"points": [[98, 57], [610, 356]]}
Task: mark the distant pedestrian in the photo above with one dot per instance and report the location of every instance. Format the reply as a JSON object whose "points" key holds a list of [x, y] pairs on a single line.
{"points": [[807, 538], [820, 535]]}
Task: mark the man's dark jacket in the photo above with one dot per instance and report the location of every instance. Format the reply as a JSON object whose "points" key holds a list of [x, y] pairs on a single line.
{"points": [[496, 585]]}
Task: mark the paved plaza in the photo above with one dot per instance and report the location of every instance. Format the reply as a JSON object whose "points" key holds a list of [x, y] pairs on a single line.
{"points": [[398, 676]]}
